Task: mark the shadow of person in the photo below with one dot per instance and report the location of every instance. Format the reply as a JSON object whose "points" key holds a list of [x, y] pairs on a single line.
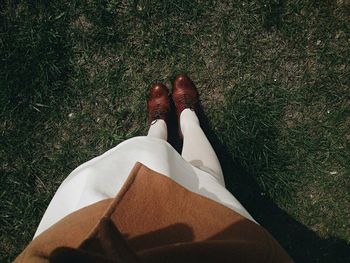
{"points": [[302, 244], [178, 233]]}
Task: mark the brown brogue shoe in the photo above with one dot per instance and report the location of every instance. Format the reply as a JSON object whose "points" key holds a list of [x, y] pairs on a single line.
{"points": [[185, 95], [158, 103]]}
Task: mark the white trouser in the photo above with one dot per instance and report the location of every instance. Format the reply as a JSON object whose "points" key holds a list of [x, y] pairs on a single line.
{"points": [[196, 149]]}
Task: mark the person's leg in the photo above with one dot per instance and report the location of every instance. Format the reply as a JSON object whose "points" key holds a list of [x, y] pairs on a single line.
{"points": [[158, 129], [196, 147]]}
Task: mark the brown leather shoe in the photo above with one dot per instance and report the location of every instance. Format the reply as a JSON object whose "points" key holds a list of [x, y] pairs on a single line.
{"points": [[158, 103], [185, 95]]}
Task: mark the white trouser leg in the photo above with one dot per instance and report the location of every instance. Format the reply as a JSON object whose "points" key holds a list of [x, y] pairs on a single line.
{"points": [[196, 147], [158, 129]]}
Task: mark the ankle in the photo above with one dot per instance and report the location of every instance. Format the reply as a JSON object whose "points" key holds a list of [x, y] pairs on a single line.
{"points": [[188, 118]]}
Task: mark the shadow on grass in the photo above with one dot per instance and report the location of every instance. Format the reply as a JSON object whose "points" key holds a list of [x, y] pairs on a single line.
{"points": [[302, 244]]}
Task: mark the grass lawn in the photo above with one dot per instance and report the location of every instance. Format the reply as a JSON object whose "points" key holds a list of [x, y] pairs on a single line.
{"points": [[273, 77]]}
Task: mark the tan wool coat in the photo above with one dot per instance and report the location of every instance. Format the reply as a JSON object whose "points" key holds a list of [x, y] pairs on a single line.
{"points": [[154, 219]]}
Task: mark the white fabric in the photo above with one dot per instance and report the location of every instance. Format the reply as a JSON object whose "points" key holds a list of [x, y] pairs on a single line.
{"points": [[196, 149], [103, 176], [158, 129]]}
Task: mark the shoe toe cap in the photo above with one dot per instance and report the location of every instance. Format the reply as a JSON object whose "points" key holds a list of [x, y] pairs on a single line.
{"points": [[183, 82], [158, 90]]}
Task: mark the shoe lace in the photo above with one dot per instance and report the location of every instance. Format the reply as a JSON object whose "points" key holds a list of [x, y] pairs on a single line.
{"points": [[187, 101], [158, 112]]}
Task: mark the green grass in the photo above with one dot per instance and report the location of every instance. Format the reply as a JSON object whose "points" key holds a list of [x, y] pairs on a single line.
{"points": [[274, 84]]}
